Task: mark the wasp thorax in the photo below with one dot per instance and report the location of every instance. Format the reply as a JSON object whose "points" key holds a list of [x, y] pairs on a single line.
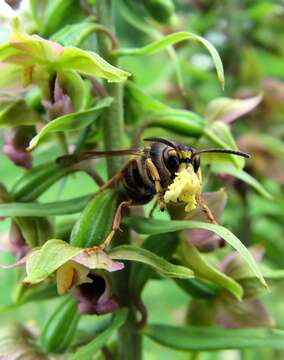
{"points": [[184, 188]]}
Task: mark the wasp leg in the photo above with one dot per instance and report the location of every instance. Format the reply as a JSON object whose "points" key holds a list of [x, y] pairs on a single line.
{"points": [[153, 208], [115, 224], [205, 208], [156, 177]]}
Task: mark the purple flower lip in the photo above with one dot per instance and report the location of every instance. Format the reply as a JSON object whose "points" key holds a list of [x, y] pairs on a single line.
{"points": [[95, 297], [18, 156], [60, 103]]}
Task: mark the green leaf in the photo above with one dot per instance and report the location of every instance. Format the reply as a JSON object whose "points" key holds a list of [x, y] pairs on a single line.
{"points": [[144, 99], [37, 180], [64, 207], [228, 110], [272, 144], [219, 135], [89, 63], [160, 10], [132, 15], [272, 274], [17, 114], [88, 351], [193, 338], [197, 288], [134, 253], [181, 122], [155, 226], [73, 35], [193, 259], [49, 258], [74, 121], [164, 246], [51, 15], [27, 51], [175, 38], [242, 175]]}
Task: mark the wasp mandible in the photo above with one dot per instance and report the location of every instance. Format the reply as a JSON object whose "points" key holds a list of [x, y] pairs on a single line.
{"points": [[165, 169]]}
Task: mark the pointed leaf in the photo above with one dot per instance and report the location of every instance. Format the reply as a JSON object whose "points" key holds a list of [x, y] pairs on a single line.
{"points": [[144, 99], [37, 180], [155, 226], [64, 207], [70, 122], [29, 50], [164, 246], [74, 35], [175, 38], [228, 110], [88, 351], [193, 338], [132, 15], [89, 63], [242, 175], [51, 15], [192, 258], [134, 253], [181, 122]]}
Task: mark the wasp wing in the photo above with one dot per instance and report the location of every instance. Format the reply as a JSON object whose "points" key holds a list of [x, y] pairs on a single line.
{"points": [[66, 160]]}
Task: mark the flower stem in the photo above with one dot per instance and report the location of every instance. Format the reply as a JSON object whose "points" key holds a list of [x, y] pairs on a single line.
{"points": [[113, 119], [129, 339]]}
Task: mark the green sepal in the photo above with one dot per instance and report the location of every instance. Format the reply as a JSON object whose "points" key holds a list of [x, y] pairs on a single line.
{"points": [[59, 330], [95, 222], [37, 180]]}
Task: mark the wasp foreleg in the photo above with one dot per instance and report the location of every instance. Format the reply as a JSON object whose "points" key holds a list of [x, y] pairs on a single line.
{"points": [[156, 177], [205, 208], [116, 223]]}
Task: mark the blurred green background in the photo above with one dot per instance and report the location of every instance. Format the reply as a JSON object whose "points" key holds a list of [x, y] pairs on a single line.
{"points": [[249, 35]]}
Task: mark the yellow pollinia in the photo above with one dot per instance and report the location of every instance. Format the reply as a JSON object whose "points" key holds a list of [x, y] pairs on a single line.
{"points": [[184, 187]]}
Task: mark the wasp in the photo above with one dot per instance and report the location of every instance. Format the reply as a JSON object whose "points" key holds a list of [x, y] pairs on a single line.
{"points": [[150, 172]]}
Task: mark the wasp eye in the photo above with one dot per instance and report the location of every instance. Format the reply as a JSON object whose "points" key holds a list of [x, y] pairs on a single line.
{"points": [[196, 163], [172, 163]]}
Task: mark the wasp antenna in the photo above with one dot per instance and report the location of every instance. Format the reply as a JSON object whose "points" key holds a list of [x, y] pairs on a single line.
{"points": [[161, 140], [224, 151]]}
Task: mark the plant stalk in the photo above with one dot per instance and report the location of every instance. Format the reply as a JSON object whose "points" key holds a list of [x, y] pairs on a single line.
{"points": [[113, 118], [129, 339]]}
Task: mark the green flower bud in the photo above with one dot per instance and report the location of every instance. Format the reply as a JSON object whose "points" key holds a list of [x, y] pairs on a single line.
{"points": [[160, 10]]}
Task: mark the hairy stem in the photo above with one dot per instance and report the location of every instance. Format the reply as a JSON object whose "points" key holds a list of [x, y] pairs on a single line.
{"points": [[113, 119], [129, 339]]}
